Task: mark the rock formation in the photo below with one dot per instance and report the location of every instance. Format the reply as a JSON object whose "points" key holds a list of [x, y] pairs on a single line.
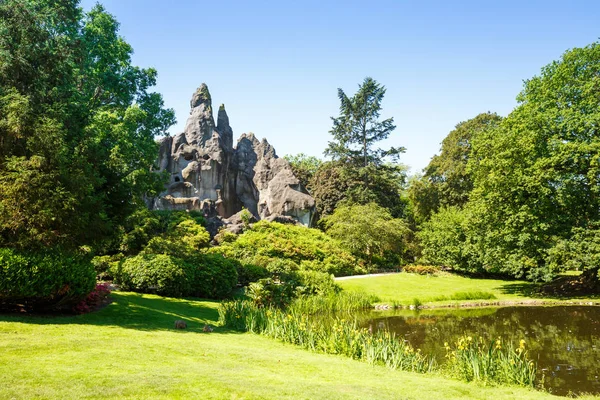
{"points": [[208, 173]]}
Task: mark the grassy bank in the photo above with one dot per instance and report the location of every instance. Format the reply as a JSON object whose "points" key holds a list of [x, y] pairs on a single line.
{"points": [[130, 350], [445, 288]]}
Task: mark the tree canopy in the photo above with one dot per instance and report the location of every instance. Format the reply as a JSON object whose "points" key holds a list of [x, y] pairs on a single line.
{"points": [[77, 125], [536, 178], [358, 128], [446, 180]]}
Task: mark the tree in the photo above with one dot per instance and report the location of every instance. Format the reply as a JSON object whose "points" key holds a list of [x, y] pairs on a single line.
{"points": [[77, 125], [446, 240], [361, 173], [536, 176], [369, 231], [445, 180], [358, 129]]}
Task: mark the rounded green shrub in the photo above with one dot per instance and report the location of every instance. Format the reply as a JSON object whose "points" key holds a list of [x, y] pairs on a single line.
{"points": [[266, 241], [316, 283], [249, 272], [214, 276], [202, 275], [49, 280], [155, 273]]}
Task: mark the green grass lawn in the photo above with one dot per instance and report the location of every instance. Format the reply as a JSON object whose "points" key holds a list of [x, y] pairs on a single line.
{"points": [[130, 350], [404, 288]]}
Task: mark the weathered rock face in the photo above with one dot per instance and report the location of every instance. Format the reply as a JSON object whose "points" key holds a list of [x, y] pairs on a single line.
{"points": [[208, 173]]}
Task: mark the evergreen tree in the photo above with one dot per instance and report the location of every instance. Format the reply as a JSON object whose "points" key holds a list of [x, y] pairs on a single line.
{"points": [[358, 128]]}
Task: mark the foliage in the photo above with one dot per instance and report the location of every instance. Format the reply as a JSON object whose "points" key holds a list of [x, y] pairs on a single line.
{"points": [[50, 280], [536, 175], [104, 265], [335, 184], [94, 299], [266, 242], [359, 172], [473, 359], [368, 231], [446, 180], [201, 275], [304, 168], [358, 128], [330, 185], [581, 252], [421, 269], [144, 225], [77, 126], [249, 272], [269, 292], [446, 240], [214, 276], [286, 284], [315, 283], [155, 273]]}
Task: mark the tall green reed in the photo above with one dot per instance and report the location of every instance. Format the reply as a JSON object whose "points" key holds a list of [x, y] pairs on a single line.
{"points": [[475, 359], [324, 334], [306, 324]]}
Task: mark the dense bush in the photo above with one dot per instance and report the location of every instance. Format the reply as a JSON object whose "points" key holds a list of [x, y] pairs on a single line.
{"points": [[269, 292], [210, 276], [155, 273], [248, 272], [284, 286], [44, 280], [579, 252], [446, 240], [105, 265], [266, 242], [214, 276], [144, 225], [168, 260], [370, 232], [422, 269]]}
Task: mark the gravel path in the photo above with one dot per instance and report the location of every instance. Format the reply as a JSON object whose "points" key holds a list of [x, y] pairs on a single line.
{"points": [[343, 278]]}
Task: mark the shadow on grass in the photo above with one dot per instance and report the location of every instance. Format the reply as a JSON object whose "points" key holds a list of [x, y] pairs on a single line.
{"points": [[554, 290], [140, 312], [526, 289]]}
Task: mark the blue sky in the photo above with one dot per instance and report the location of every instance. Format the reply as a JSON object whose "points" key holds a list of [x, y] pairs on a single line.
{"points": [[277, 65]]}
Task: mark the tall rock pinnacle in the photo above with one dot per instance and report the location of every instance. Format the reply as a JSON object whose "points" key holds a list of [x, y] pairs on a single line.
{"points": [[209, 174]]}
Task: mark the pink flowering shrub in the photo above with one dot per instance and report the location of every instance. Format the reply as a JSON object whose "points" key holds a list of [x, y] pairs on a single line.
{"points": [[94, 299]]}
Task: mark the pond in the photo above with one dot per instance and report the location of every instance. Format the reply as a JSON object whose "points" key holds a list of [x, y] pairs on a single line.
{"points": [[563, 340]]}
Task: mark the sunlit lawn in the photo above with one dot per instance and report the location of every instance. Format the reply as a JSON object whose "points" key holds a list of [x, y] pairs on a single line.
{"points": [[130, 350], [404, 288]]}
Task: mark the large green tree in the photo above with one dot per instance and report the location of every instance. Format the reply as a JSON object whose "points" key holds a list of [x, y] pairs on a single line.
{"points": [[446, 180], [536, 177], [77, 125], [361, 172]]}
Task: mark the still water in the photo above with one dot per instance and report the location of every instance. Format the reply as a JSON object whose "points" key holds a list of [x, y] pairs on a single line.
{"points": [[564, 340]]}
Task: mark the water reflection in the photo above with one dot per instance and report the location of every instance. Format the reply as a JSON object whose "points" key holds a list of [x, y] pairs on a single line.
{"points": [[565, 341]]}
